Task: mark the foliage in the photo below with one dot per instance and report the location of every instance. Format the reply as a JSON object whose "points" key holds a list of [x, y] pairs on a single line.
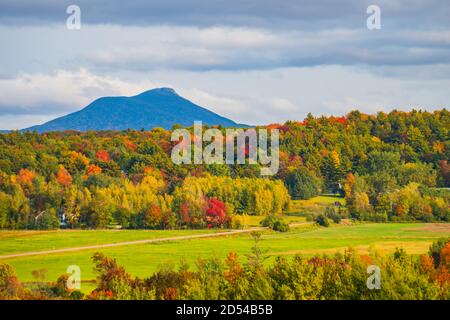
{"points": [[216, 213], [9, 284], [254, 196], [383, 164]]}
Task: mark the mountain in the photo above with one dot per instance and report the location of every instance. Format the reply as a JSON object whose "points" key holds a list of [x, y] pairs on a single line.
{"points": [[161, 107]]}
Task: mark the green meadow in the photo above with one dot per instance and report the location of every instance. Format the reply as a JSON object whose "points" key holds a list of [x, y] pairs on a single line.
{"points": [[141, 260], [26, 241]]}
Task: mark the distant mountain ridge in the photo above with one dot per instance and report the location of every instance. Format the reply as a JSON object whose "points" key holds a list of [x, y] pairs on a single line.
{"points": [[161, 107]]}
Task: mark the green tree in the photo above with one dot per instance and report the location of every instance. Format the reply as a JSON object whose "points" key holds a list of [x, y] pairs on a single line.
{"points": [[303, 184]]}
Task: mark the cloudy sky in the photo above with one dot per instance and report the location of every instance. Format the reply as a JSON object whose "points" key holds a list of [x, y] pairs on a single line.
{"points": [[255, 61]]}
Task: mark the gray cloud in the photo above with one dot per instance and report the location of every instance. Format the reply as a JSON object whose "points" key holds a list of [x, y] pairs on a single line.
{"points": [[221, 35], [304, 14], [60, 92], [106, 49]]}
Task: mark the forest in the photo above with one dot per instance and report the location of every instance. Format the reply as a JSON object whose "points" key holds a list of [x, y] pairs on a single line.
{"points": [[389, 167]]}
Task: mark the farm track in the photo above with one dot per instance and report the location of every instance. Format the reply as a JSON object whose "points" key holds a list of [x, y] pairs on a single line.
{"points": [[127, 243]]}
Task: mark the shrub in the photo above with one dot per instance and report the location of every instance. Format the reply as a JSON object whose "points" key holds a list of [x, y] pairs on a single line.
{"points": [[322, 220], [330, 212], [275, 223], [268, 221], [280, 225]]}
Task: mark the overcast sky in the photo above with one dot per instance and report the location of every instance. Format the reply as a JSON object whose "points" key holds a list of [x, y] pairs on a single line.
{"points": [[256, 62]]}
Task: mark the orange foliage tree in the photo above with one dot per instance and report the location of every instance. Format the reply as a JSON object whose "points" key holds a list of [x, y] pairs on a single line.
{"points": [[63, 177], [93, 169], [25, 177], [102, 155]]}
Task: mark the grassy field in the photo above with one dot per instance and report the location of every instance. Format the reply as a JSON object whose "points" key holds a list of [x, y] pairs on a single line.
{"points": [[141, 260], [298, 210], [24, 241], [254, 221], [314, 205]]}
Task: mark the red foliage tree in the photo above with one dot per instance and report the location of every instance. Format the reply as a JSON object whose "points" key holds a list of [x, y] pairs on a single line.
{"points": [[341, 120], [278, 126], [102, 155], [216, 213], [185, 213]]}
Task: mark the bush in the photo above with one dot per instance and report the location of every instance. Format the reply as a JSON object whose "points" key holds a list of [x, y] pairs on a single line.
{"points": [[330, 212], [268, 221], [322, 221], [280, 226], [275, 223]]}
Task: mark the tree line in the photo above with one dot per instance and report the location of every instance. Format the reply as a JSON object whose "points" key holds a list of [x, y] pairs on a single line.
{"points": [[389, 166]]}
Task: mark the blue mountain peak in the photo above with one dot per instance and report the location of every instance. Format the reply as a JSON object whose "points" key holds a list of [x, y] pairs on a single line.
{"points": [[160, 107], [163, 90]]}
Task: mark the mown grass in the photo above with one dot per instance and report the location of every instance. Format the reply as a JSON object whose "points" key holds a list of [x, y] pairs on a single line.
{"points": [[142, 260]]}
